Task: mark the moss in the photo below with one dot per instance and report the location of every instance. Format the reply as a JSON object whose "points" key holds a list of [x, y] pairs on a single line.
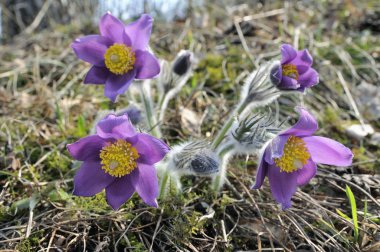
{"points": [[56, 164], [97, 203], [361, 158], [31, 243], [331, 118]]}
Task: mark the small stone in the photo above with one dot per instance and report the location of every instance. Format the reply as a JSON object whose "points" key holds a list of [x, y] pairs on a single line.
{"points": [[359, 131], [375, 139]]}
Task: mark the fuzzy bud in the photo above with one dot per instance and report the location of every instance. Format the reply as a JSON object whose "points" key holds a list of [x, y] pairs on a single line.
{"points": [[182, 64], [194, 158]]}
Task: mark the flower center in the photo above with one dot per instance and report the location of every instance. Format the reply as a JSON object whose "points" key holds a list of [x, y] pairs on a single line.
{"points": [[295, 155], [118, 158], [290, 70], [119, 58]]}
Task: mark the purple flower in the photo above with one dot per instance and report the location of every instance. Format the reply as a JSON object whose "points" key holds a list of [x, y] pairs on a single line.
{"points": [[290, 159], [119, 55], [119, 160], [294, 72]]}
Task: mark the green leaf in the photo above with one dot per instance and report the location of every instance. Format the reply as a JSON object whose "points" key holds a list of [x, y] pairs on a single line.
{"points": [[81, 127], [352, 200], [343, 215]]}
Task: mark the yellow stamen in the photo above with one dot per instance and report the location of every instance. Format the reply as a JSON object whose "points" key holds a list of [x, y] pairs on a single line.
{"points": [[295, 155], [119, 58], [118, 158], [290, 70]]}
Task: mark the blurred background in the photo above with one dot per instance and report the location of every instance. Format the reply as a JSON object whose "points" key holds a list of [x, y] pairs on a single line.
{"points": [[44, 106]]}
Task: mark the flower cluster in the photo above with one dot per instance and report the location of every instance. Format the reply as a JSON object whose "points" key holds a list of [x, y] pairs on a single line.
{"points": [[121, 161]]}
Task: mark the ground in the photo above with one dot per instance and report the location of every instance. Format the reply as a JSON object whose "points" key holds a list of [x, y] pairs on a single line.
{"points": [[45, 106]]}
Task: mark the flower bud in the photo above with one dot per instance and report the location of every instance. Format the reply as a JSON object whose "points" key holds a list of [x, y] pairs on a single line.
{"points": [[182, 64], [194, 158]]}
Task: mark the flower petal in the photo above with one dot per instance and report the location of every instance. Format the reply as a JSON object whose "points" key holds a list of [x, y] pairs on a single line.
{"points": [[275, 149], [96, 75], [288, 83], [262, 171], [305, 126], [113, 28], [139, 31], [91, 48], [150, 149], [116, 127], [146, 65], [121, 189], [118, 84], [303, 58], [288, 53], [87, 148], [147, 185], [283, 185], [309, 78], [90, 179], [306, 173], [275, 74], [327, 151]]}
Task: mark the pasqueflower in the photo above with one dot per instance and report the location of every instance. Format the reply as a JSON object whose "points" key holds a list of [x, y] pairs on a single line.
{"points": [[290, 159], [119, 160], [118, 55], [294, 71]]}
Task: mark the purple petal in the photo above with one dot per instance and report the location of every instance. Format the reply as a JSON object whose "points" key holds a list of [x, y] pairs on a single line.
{"points": [[121, 189], [87, 148], [118, 84], [327, 151], [147, 185], [275, 148], [302, 69], [288, 53], [96, 75], [306, 173], [90, 179], [283, 185], [150, 149], [91, 48], [308, 78], [303, 58], [276, 74], [116, 127], [113, 28], [261, 173], [288, 83], [146, 65], [139, 32], [305, 126]]}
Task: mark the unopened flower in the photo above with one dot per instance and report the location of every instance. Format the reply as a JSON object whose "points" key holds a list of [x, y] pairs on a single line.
{"points": [[119, 160], [290, 159], [182, 63], [119, 55], [294, 72], [193, 158]]}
